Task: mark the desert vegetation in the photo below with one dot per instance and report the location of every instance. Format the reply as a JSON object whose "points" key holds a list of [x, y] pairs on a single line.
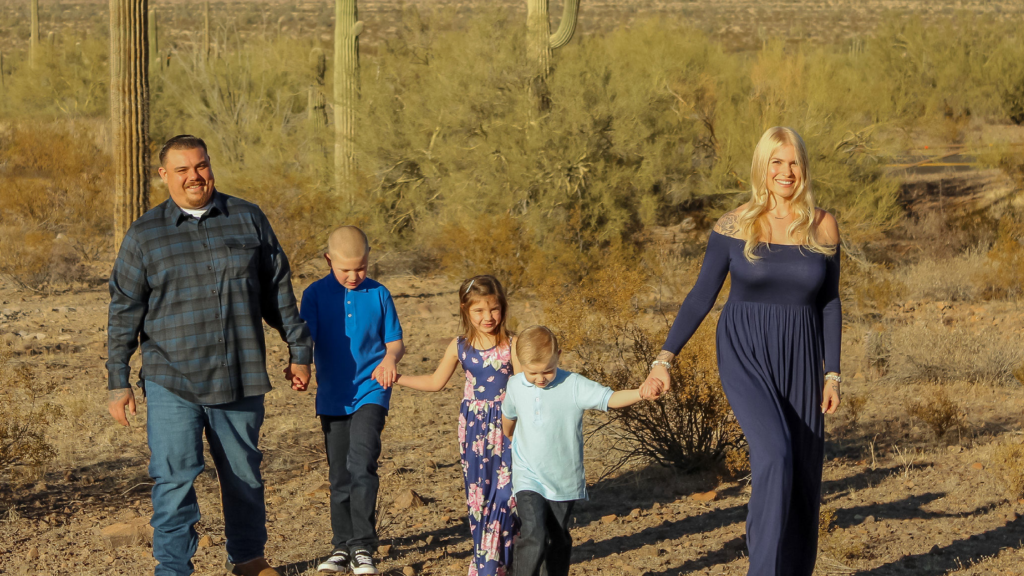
{"points": [[588, 186]]}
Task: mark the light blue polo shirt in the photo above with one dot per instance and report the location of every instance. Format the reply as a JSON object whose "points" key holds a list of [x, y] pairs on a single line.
{"points": [[547, 445], [350, 330]]}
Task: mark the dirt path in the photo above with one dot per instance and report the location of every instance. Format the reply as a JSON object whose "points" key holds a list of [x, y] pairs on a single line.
{"points": [[903, 503]]}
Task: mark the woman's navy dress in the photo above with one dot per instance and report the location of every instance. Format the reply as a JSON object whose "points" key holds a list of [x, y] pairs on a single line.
{"points": [[779, 332]]}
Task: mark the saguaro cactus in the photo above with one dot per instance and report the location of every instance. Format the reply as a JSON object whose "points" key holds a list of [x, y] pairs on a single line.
{"points": [[129, 111], [33, 42], [347, 28], [540, 41], [317, 111]]}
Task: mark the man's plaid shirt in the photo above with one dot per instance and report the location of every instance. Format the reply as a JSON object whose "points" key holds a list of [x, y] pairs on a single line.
{"points": [[194, 293]]}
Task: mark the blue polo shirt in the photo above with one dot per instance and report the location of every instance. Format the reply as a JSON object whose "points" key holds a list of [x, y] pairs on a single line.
{"points": [[350, 329], [547, 445]]}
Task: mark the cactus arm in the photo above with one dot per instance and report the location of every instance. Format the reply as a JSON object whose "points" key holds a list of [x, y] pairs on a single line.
{"points": [[567, 26]]}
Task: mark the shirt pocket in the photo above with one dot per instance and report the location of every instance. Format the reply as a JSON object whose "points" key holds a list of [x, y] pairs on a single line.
{"points": [[243, 256]]}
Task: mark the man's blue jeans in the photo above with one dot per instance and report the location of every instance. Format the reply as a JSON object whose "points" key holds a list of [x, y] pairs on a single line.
{"points": [[175, 428]]}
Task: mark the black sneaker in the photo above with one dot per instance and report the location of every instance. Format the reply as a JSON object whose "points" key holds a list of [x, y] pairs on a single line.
{"points": [[338, 563], [362, 563]]}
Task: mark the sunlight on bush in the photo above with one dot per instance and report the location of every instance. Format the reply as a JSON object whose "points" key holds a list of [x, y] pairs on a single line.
{"points": [[1008, 462], [930, 352], [940, 413]]}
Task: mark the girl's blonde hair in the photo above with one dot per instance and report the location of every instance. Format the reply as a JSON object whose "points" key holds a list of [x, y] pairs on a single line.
{"points": [[751, 219], [481, 287]]}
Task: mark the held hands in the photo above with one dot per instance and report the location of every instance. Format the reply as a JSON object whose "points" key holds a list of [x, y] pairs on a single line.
{"points": [[386, 374], [298, 375], [117, 401], [652, 389], [830, 397]]}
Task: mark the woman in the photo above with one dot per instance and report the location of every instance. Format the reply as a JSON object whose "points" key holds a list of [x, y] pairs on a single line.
{"points": [[778, 345]]}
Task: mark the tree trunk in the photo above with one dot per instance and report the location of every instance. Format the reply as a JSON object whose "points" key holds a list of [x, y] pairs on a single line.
{"points": [[129, 111], [346, 94]]}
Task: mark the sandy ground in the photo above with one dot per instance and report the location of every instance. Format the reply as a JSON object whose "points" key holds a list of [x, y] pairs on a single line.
{"points": [[904, 503]]}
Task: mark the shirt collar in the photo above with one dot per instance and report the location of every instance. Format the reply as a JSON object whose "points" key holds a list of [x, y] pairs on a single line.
{"points": [[174, 212]]}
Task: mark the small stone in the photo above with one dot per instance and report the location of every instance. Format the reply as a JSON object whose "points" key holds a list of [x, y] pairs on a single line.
{"points": [[32, 555], [408, 571], [978, 466], [446, 518], [869, 520], [205, 541], [127, 534], [421, 543], [858, 517], [705, 496], [408, 499], [634, 513], [656, 506], [384, 550], [608, 519], [430, 540]]}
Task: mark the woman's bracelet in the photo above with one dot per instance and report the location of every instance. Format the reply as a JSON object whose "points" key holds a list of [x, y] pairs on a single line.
{"points": [[835, 377], [661, 363]]}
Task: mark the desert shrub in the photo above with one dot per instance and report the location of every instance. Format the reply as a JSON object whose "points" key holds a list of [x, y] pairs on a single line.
{"points": [[601, 322], [877, 350], [1004, 277], [1007, 460], [873, 287], [24, 415], [55, 208], [940, 413], [932, 280], [498, 245], [929, 352]]}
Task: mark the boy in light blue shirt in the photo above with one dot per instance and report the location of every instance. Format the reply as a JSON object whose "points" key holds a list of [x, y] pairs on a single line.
{"points": [[543, 415], [357, 342]]}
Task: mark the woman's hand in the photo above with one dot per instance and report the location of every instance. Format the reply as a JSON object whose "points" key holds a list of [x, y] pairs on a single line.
{"points": [[830, 397], [659, 377]]}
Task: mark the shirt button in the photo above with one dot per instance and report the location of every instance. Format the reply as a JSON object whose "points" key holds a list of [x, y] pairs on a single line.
{"points": [[204, 245], [216, 315], [209, 267], [220, 339], [214, 291], [349, 315], [349, 302]]}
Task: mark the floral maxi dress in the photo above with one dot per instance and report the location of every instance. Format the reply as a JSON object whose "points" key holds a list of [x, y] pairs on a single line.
{"points": [[487, 458]]}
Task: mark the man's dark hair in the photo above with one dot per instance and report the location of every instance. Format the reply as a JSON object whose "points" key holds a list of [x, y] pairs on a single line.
{"points": [[181, 142]]}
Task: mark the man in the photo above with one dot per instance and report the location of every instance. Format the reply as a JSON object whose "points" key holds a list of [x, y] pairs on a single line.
{"points": [[193, 281]]}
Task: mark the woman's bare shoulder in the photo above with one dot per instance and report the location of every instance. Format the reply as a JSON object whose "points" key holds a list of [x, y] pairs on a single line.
{"points": [[826, 229], [728, 224]]}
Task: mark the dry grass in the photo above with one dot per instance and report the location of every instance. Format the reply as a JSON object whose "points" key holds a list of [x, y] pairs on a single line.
{"points": [[928, 351], [25, 415]]}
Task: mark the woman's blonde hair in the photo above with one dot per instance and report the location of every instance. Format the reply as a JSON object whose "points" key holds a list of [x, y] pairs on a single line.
{"points": [[751, 220]]}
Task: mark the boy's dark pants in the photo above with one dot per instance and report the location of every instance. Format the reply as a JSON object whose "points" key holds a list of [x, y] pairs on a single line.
{"points": [[544, 545], [353, 447]]}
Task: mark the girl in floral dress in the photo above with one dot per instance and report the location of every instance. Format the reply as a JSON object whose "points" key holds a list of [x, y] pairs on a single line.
{"points": [[485, 350]]}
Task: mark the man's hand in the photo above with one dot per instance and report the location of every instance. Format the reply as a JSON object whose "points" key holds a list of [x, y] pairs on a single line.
{"points": [[386, 372], [116, 402], [299, 376]]}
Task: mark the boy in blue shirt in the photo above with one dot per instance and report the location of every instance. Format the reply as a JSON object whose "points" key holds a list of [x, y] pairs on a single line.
{"points": [[543, 415], [357, 343]]}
